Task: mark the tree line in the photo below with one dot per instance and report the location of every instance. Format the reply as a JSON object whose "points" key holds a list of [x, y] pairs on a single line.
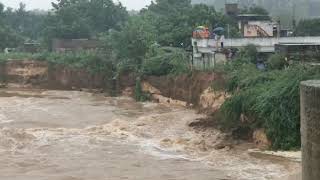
{"points": [[166, 22]]}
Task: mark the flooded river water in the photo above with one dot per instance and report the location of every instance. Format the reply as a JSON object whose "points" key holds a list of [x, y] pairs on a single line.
{"points": [[66, 135]]}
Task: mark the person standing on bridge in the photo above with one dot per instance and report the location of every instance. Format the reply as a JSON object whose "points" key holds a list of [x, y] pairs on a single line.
{"points": [[222, 38]]}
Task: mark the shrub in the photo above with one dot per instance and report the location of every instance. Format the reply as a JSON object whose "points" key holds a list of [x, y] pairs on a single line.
{"points": [[166, 60], [276, 61], [15, 56], [249, 53], [270, 99]]}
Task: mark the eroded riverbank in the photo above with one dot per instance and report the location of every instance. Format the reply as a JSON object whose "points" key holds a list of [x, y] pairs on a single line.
{"points": [[68, 135]]}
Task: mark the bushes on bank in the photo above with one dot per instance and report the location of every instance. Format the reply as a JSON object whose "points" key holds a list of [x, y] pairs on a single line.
{"points": [[278, 106], [93, 61], [268, 99], [158, 61], [161, 61], [15, 56], [276, 61], [249, 53]]}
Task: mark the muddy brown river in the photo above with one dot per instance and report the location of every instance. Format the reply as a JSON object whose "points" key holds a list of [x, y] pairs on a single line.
{"points": [[66, 135]]}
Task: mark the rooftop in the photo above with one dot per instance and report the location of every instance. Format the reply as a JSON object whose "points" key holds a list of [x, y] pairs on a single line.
{"points": [[254, 17]]}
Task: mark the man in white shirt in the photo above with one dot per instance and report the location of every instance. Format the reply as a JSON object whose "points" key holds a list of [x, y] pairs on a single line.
{"points": [[222, 38]]}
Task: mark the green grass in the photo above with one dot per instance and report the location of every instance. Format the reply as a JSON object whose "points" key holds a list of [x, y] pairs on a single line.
{"points": [[16, 56], [270, 99]]}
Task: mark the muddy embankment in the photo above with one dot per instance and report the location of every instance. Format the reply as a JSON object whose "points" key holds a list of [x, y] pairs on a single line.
{"points": [[29, 73], [192, 90]]}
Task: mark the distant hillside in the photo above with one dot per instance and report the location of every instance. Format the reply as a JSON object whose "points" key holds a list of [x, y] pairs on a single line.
{"points": [[219, 5], [281, 9]]}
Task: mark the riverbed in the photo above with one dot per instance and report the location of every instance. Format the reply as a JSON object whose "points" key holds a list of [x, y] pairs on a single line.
{"points": [[72, 135]]}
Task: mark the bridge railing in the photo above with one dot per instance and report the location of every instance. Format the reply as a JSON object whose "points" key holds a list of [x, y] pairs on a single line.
{"points": [[263, 44]]}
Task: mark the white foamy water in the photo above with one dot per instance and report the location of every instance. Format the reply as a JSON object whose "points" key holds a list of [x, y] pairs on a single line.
{"points": [[4, 119], [62, 135]]}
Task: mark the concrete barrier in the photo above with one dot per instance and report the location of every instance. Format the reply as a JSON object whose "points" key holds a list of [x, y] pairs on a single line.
{"points": [[263, 44], [310, 129]]}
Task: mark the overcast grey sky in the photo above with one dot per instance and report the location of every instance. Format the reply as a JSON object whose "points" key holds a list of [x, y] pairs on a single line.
{"points": [[46, 4]]}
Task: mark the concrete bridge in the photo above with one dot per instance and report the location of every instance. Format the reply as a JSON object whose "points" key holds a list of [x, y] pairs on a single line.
{"points": [[263, 44]]}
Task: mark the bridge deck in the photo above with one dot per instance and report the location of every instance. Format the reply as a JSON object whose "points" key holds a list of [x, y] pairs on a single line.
{"points": [[263, 44]]}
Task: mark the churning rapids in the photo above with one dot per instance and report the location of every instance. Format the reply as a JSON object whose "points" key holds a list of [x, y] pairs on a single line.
{"points": [[66, 135]]}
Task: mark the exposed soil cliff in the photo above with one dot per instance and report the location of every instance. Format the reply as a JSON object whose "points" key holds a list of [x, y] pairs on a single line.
{"points": [[192, 90], [44, 75], [25, 72], [61, 77], [188, 88]]}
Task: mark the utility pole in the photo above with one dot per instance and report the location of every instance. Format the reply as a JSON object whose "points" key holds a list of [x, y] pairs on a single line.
{"points": [[294, 15], [228, 26], [294, 23], [307, 9]]}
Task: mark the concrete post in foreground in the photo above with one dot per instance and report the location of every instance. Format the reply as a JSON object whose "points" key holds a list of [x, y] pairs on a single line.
{"points": [[310, 129]]}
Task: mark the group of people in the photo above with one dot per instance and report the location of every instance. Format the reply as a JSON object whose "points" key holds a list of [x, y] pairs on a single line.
{"points": [[202, 32]]}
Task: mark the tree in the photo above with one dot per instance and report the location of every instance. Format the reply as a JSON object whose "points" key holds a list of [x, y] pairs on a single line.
{"points": [[26, 23], [255, 10], [161, 61], [170, 19], [86, 18], [105, 15], [8, 37], [202, 14], [133, 41], [174, 20], [163, 23], [73, 19], [308, 27], [1, 9]]}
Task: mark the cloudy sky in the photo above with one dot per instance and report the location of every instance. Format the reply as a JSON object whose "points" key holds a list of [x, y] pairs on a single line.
{"points": [[46, 4]]}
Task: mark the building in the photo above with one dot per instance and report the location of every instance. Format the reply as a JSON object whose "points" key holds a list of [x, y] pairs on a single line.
{"points": [[303, 52], [253, 25], [72, 45], [232, 9], [31, 47], [256, 25]]}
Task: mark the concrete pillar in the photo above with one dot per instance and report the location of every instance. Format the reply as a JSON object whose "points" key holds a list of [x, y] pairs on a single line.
{"points": [[310, 129]]}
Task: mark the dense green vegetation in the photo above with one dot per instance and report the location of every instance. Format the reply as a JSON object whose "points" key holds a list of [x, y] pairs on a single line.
{"points": [[166, 22], [8, 37], [28, 24], [19, 25], [165, 60], [308, 27], [82, 19], [93, 61], [254, 10], [150, 42], [267, 99], [129, 40]]}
